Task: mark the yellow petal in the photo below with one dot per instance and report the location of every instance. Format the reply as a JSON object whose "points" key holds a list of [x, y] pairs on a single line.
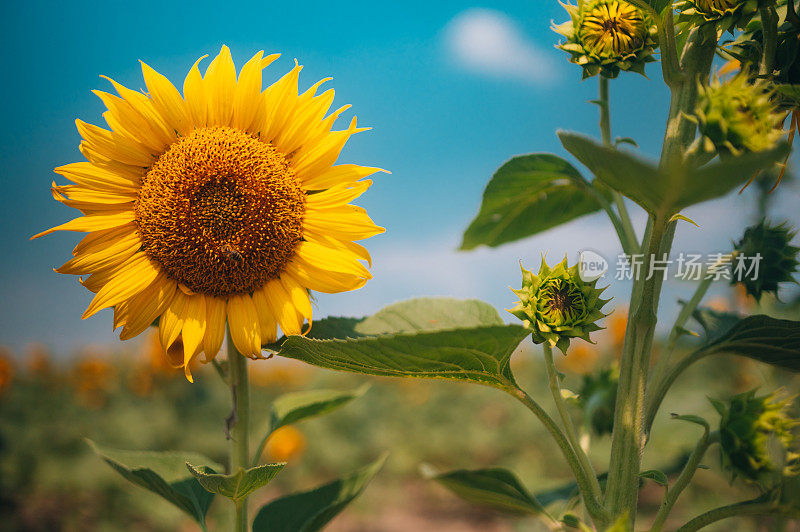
{"points": [[115, 146], [91, 176], [215, 326], [348, 222], [194, 92], [336, 175], [92, 223], [143, 105], [171, 321], [134, 276], [103, 256], [321, 280], [243, 324], [220, 86], [194, 327], [307, 115], [167, 100], [247, 95], [339, 194], [282, 307], [298, 294], [335, 260], [266, 320], [144, 308], [320, 156], [280, 99]]}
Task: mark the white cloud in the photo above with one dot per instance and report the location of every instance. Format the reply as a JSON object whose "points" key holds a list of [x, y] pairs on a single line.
{"points": [[489, 42]]}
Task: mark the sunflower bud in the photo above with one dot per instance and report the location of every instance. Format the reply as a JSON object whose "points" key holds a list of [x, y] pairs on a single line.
{"points": [[738, 116], [726, 13], [597, 396], [777, 258], [558, 305], [606, 36], [756, 439]]}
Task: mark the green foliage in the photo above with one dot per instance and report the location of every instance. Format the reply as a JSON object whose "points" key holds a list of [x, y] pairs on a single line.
{"points": [[425, 337], [762, 338], [294, 407], [656, 476], [238, 485], [777, 257], [495, 488], [478, 354], [527, 195], [309, 511], [163, 473], [429, 314], [661, 193]]}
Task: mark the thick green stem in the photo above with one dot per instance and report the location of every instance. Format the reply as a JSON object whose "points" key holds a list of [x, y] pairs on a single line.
{"points": [[740, 508], [629, 415], [628, 436], [769, 25], [674, 491], [238, 425], [566, 420], [596, 510], [625, 231]]}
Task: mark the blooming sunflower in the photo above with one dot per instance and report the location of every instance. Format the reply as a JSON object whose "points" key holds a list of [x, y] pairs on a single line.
{"points": [[223, 205]]}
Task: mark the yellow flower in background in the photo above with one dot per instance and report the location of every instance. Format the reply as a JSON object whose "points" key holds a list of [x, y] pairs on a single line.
{"points": [[582, 359], [285, 444], [219, 206]]}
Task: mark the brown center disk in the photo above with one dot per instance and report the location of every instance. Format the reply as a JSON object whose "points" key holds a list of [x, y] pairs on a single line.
{"points": [[220, 211]]}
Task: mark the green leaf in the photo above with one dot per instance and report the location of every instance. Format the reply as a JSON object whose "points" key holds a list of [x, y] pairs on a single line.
{"points": [[429, 314], [639, 180], [714, 322], [294, 407], [716, 180], [163, 473], [496, 488], [309, 511], [412, 315], [656, 476], [237, 485], [527, 195], [479, 354], [762, 338], [697, 420], [664, 193]]}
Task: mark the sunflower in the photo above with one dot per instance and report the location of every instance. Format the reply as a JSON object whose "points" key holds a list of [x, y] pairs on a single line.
{"points": [[221, 206]]}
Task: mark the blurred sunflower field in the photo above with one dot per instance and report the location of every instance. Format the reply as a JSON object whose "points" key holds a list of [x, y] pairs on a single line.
{"points": [[131, 399]]}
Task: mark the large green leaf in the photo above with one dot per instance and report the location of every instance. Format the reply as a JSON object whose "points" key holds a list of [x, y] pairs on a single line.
{"points": [[309, 511], [478, 354], [429, 314], [495, 488], [238, 485], [165, 474], [769, 340], [717, 179], [527, 195], [638, 179], [297, 406], [661, 192]]}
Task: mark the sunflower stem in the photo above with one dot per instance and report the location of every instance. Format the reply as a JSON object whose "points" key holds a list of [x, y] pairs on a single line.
{"points": [[566, 420], [239, 425], [625, 231]]}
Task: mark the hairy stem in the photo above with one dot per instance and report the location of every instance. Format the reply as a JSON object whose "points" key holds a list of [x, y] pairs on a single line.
{"points": [[626, 233], [683, 480], [239, 425], [769, 24], [754, 507], [566, 420], [596, 510], [655, 397]]}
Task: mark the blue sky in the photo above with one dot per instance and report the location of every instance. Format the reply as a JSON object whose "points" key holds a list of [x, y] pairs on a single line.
{"points": [[451, 90]]}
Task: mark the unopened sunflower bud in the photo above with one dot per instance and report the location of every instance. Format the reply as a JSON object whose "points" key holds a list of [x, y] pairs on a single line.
{"points": [[597, 396], [606, 36], [769, 245], [737, 116], [756, 438], [726, 14], [557, 304]]}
